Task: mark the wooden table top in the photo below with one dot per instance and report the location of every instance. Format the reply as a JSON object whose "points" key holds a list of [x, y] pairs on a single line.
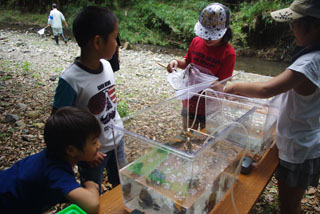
{"points": [[246, 191]]}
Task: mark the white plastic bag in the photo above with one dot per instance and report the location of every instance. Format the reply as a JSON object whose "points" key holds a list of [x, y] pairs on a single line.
{"points": [[189, 80]]}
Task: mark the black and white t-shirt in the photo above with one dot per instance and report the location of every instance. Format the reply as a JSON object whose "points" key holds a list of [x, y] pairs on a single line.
{"points": [[93, 91]]}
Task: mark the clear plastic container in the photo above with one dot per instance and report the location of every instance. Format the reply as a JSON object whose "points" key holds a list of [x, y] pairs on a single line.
{"points": [[262, 132], [171, 170]]}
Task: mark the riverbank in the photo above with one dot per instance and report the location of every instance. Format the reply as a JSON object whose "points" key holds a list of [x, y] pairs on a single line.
{"points": [[267, 56], [29, 67]]}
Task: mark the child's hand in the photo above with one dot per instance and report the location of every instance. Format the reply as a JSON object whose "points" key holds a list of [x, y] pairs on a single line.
{"points": [[172, 66], [230, 89], [97, 160], [217, 86]]}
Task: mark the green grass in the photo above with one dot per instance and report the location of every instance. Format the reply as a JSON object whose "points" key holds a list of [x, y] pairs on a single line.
{"points": [[15, 16], [123, 109]]}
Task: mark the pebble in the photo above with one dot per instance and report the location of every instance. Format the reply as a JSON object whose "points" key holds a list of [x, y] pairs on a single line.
{"points": [[22, 107], [33, 114], [53, 77], [20, 124], [11, 118], [27, 138]]}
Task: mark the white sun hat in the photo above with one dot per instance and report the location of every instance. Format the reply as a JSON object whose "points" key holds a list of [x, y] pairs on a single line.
{"points": [[213, 22], [298, 9]]}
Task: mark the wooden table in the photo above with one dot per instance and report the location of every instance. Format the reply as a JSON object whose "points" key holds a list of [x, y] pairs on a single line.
{"points": [[246, 191]]}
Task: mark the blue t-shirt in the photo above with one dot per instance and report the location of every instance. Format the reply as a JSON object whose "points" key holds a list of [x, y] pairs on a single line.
{"points": [[34, 184]]}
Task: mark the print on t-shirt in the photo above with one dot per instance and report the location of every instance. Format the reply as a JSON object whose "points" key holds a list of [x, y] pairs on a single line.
{"points": [[203, 60], [105, 99]]}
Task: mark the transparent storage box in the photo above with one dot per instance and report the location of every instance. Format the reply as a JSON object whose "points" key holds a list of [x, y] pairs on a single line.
{"points": [[172, 170], [264, 119]]}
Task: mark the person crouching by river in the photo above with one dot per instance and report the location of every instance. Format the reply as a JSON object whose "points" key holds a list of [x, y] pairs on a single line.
{"points": [[40, 181], [298, 127], [211, 53]]}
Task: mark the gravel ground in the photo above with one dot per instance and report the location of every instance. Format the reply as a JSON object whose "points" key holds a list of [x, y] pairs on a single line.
{"points": [[29, 67]]}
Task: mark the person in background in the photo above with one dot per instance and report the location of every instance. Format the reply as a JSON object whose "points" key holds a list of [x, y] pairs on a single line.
{"points": [[115, 60], [55, 21], [40, 181], [298, 126], [89, 84], [211, 53]]}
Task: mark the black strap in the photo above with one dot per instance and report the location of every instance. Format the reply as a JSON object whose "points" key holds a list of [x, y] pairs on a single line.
{"points": [[299, 51]]}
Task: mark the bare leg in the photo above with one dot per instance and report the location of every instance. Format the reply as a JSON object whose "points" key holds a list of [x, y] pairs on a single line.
{"points": [[290, 198]]}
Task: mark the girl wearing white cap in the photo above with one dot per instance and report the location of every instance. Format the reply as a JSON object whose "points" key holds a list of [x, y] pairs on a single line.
{"points": [[298, 127], [210, 52]]}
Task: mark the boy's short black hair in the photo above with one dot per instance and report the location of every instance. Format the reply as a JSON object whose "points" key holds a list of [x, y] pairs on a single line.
{"points": [[54, 5], [69, 126], [92, 21]]}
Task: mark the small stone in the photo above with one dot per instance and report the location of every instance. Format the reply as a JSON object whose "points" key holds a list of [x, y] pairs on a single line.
{"points": [[19, 44], [22, 106], [53, 77], [20, 123], [27, 138], [33, 114], [145, 199], [39, 125], [11, 118]]}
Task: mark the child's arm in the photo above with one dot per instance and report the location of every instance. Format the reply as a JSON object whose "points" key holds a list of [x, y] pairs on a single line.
{"points": [[177, 63], [283, 82], [86, 197]]}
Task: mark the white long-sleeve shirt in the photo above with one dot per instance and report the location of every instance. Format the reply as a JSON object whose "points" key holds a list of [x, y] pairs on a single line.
{"points": [[56, 18]]}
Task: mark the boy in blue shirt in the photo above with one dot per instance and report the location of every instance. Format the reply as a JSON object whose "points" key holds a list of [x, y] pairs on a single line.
{"points": [[40, 181]]}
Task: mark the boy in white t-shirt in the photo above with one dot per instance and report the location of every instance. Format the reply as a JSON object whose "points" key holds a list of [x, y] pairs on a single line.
{"points": [[89, 84]]}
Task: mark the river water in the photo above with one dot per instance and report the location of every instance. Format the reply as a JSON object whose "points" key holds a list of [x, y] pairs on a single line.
{"points": [[248, 64], [259, 66]]}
